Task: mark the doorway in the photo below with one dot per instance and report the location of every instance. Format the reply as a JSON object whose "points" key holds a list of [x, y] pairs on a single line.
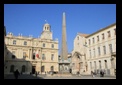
{"points": [[33, 69]]}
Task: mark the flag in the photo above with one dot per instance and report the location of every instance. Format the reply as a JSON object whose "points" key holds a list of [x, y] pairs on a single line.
{"points": [[37, 54]]}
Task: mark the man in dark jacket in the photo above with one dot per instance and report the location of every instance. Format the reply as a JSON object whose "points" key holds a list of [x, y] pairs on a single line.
{"points": [[16, 74]]}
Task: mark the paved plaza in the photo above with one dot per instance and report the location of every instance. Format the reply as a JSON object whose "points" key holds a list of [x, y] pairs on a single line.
{"points": [[26, 76]]}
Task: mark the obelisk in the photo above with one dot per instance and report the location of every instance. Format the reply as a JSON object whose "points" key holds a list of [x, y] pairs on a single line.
{"points": [[64, 42]]}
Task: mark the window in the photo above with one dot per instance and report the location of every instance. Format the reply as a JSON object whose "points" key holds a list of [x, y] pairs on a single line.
{"points": [[99, 64], [91, 65], [25, 43], [105, 64], [93, 40], [89, 42], [95, 64], [52, 45], [24, 54], [52, 68], [33, 55], [14, 42], [110, 48], [90, 53], [23, 68], [109, 35], [103, 36], [52, 56], [13, 54], [98, 50], [94, 52], [42, 69], [43, 44], [115, 31], [43, 57], [104, 49], [97, 38], [78, 37], [12, 68]]}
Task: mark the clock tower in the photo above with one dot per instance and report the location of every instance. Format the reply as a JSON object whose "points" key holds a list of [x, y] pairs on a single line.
{"points": [[46, 34]]}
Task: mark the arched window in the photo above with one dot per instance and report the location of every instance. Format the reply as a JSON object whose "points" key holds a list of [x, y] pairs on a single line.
{"points": [[23, 68], [12, 68], [52, 68], [78, 37]]}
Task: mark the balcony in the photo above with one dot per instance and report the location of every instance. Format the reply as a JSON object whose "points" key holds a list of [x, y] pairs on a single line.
{"points": [[113, 54]]}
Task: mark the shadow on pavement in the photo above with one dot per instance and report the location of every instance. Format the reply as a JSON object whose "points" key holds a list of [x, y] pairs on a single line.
{"points": [[24, 76]]}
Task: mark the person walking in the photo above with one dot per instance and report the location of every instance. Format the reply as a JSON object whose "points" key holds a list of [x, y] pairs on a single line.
{"points": [[16, 74], [93, 74]]}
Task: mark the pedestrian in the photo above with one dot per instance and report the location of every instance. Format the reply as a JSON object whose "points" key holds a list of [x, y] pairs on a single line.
{"points": [[16, 74], [100, 73], [92, 73], [45, 72]]}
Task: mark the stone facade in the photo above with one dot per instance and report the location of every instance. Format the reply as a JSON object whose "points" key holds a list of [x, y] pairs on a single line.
{"points": [[99, 48], [28, 54], [79, 63]]}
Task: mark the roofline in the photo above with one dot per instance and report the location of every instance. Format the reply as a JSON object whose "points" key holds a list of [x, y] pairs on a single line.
{"points": [[82, 36], [101, 30]]}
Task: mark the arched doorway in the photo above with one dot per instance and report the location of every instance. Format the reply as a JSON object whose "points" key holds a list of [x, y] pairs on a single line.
{"points": [[23, 68], [12, 68]]}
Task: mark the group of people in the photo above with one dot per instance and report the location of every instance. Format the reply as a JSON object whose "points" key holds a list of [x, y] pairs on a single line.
{"points": [[101, 73], [17, 74]]}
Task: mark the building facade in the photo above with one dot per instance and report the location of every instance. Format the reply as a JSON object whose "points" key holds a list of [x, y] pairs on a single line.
{"points": [[100, 47], [28, 54], [100, 51], [79, 63]]}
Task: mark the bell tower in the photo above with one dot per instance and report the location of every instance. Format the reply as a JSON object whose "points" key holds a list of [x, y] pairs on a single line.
{"points": [[46, 33]]}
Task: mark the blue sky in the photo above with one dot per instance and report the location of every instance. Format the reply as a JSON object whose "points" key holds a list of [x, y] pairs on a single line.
{"points": [[29, 19]]}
